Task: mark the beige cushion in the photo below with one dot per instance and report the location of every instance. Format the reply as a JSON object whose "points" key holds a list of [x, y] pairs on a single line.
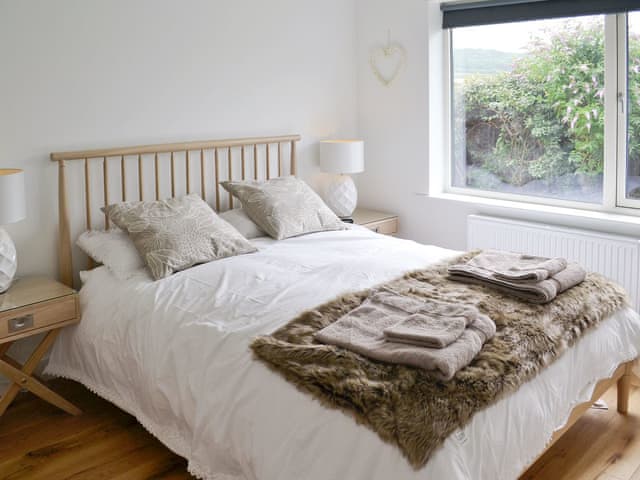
{"points": [[177, 233], [284, 207]]}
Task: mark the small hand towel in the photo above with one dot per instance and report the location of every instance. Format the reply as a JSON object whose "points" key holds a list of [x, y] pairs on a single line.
{"points": [[518, 267], [427, 330]]}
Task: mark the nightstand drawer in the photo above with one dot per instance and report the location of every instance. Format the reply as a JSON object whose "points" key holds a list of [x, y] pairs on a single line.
{"points": [[37, 316], [385, 227]]}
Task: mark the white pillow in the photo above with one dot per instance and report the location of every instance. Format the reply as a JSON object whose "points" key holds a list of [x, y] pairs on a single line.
{"points": [[114, 249], [239, 220]]}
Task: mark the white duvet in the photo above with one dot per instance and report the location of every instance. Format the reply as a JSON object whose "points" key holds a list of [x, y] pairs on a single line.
{"points": [[175, 354]]}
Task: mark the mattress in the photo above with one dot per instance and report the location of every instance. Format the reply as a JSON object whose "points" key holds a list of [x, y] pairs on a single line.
{"points": [[175, 353]]}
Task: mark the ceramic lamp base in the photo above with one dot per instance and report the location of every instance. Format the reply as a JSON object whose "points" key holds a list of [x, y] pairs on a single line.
{"points": [[340, 195], [8, 260]]}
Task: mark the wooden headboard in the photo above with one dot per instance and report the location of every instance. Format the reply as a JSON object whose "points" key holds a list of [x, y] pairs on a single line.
{"points": [[121, 174]]}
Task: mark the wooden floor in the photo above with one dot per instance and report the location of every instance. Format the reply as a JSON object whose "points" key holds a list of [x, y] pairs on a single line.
{"points": [[38, 441]]}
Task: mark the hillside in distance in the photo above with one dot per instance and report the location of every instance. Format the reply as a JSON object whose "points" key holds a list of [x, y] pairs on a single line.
{"points": [[482, 61]]}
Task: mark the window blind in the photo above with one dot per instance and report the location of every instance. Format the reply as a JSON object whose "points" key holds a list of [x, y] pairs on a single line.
{"points": [[487, 12]]}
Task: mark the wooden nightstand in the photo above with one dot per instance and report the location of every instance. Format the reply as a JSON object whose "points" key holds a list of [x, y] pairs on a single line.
{"points": [[34, 305], [381, 222]]}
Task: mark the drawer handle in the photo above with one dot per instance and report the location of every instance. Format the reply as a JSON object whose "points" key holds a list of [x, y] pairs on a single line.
{"points": [[376, 229], [20, 323]]}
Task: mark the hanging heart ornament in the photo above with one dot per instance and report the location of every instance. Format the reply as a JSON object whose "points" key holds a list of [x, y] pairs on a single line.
{"points": [[387, 62]]}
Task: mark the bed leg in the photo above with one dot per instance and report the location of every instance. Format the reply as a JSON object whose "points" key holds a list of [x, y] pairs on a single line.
{"points": [[624, 390]]}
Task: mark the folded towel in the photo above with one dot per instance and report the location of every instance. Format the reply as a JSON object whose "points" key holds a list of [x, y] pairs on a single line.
{"points": [[425, 329], [362, 333], [518, 267], [362, 330], [397, 304], [534, 292], [433, 323], [410, 304]]}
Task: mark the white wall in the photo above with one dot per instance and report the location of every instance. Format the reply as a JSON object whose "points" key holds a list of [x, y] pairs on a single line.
{"points": [[397, 123], [394, 122], [91, 73]]}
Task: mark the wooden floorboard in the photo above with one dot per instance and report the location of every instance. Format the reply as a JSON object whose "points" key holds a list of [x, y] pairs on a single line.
{"points": [[603, 445], [38, 441]]}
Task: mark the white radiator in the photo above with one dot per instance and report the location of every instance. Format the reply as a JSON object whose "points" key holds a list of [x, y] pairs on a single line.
{"points": [[615, 256]]}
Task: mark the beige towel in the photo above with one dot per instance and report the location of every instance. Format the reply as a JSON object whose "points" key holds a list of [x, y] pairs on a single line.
{"points": [[427, 330], [518, 267], [535, 292], [412, 304], [361, 331], [423, 322]]}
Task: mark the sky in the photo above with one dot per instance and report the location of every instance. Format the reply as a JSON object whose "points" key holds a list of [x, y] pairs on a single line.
{"points": [[513, 37]]}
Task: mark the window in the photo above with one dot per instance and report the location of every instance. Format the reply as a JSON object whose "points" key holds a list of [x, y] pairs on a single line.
{"points": [[531, 109], [630, 122]]}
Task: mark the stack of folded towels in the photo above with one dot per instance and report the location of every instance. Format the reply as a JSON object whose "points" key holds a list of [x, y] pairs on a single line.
{"points": [[527, 277], [431, 334]]}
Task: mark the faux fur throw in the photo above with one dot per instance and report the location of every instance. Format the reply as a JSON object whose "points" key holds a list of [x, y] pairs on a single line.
{"points": [[405, 406]]}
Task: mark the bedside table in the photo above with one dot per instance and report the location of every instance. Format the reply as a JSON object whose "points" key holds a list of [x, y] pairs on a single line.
{"points": [[380, 222], [31, 306]]}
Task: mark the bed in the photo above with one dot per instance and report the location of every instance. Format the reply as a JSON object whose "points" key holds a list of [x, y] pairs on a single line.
{"points": [[175, 353]]}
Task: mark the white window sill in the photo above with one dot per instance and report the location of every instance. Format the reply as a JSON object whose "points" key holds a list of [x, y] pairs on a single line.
{"points": [[621, 216]]}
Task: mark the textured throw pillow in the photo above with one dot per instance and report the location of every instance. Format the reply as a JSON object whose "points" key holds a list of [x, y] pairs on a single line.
{"points": [[114, 249], [177, 233], [284, 207], [239, 220]]}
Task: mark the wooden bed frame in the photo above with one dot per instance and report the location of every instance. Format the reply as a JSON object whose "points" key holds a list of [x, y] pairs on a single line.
{"points": [[251, 157], [623, 376], [248, 155]]}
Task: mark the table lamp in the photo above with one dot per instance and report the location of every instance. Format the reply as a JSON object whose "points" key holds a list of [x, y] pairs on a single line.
{"points": [[12, 209], [341, 157]]}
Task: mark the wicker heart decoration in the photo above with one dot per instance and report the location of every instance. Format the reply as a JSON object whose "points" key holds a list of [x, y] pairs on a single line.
{"points": [[387, 62]]}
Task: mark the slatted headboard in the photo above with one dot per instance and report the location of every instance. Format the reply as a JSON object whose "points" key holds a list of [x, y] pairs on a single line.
{"points": [[219, 160]]}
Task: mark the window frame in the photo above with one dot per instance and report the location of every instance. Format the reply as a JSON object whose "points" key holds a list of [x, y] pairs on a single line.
{"points": [[614, 168], [623, 108]]}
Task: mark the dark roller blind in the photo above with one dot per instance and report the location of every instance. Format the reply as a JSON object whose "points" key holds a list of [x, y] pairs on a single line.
{"points": [[467, 14]]}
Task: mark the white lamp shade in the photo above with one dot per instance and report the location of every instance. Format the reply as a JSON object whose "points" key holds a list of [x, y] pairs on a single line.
{"points": [[13, 206], [342, 156]]}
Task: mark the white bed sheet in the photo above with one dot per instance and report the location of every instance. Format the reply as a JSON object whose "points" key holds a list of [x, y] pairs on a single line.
{"points": [[175, 354]]}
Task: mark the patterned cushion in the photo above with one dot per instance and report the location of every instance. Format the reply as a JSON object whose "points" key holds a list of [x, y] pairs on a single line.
{"points": [[177, 233], [284, 207]]}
